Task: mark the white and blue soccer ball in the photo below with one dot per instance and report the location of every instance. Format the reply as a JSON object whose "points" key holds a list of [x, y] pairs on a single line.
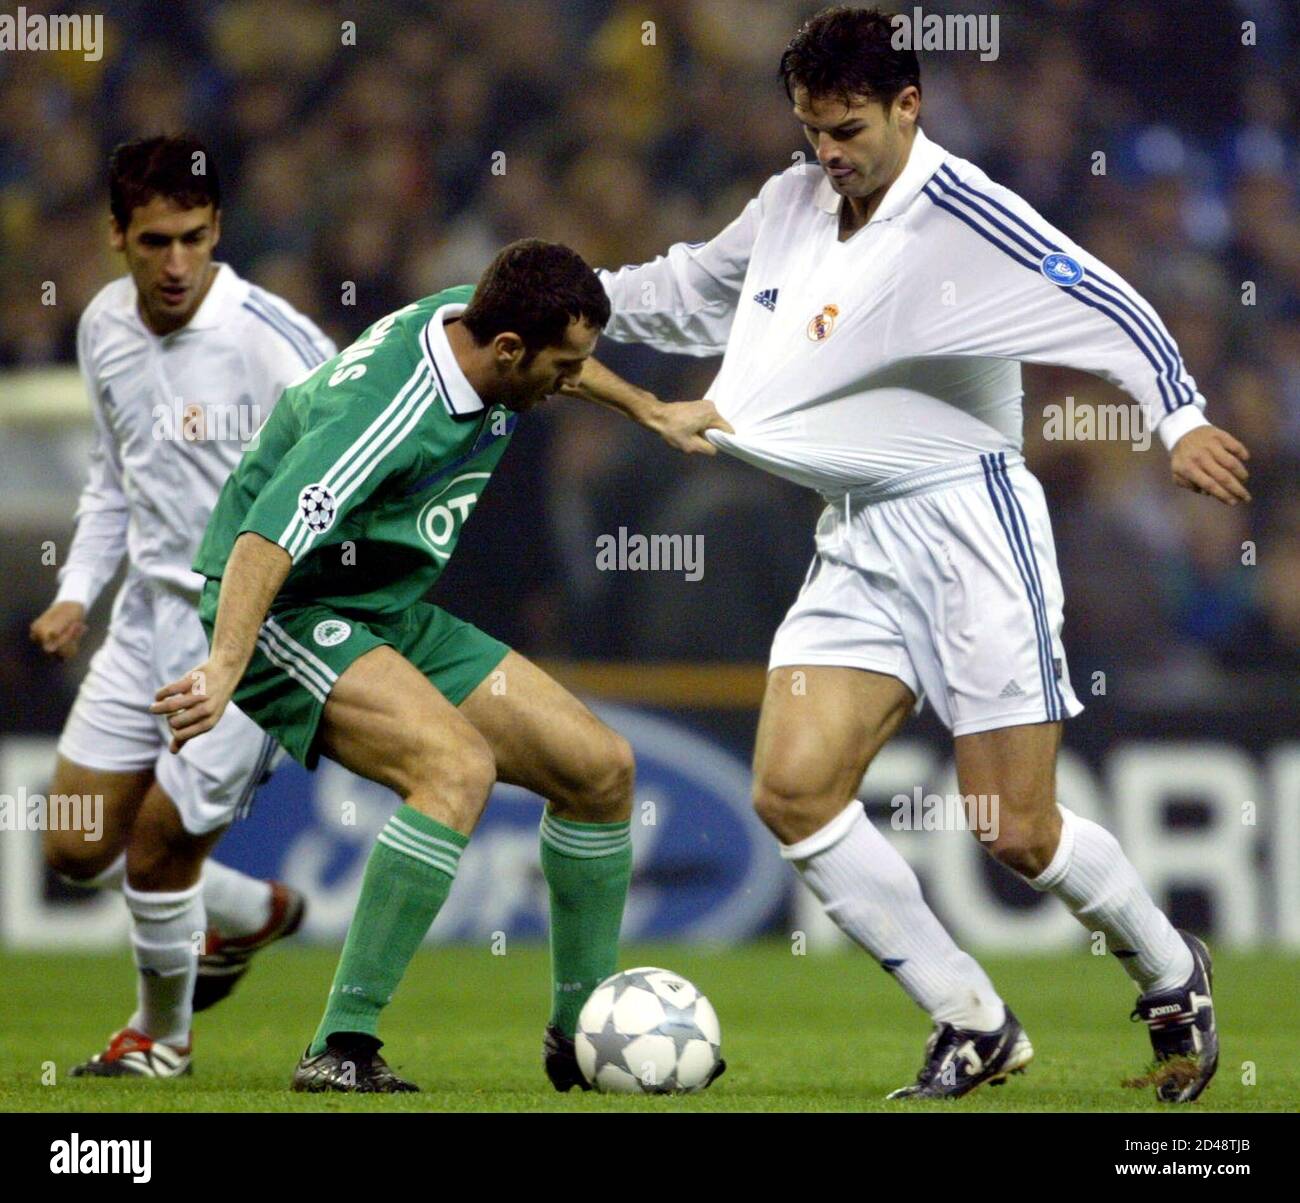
{"points": [[648, 1031]]}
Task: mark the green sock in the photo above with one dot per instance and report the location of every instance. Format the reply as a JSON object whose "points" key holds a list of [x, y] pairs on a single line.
{"points": [[588, 867], [408, 878]]}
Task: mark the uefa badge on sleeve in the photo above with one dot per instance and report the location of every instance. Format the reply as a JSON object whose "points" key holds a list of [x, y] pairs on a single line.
{"points": [[1062, 269], [316, 505], [823, 325]]}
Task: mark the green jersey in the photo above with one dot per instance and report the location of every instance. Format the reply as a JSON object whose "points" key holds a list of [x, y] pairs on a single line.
{"points": [[368, 468]]}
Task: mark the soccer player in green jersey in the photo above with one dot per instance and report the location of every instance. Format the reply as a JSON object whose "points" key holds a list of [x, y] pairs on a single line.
{"points": [[341, 515]]}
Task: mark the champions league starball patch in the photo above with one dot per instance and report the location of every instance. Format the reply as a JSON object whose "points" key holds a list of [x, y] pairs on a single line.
{"points": [[316, 505]]}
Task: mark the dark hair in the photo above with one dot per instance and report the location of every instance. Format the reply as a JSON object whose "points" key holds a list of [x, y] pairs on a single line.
{"points": [[178, 168], [847, 52], [535, 289]]}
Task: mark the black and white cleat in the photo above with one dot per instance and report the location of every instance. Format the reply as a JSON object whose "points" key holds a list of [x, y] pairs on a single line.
{"points": [[957, 1061], [1183, 1032], [132, 1054], [350, 1066]]}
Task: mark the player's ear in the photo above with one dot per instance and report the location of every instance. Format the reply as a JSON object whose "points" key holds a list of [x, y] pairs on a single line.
{"points": [[116, 235], [507, 349], [908, 105], [216, 227]]}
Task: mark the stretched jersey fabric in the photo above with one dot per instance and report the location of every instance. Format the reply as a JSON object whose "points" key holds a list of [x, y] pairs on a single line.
{"points": [[852, 364], [368, 469], [172, 415]]}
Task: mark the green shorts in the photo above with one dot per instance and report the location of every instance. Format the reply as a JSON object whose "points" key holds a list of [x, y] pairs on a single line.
{"points": [[302, 650]]}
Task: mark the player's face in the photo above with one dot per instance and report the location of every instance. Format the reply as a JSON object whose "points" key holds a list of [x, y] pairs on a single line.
{"points": [[552, 368], [168, 252], [860, 145]]}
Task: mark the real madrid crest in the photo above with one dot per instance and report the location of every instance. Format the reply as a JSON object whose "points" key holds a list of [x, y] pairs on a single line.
{"points": [[821, 327]]}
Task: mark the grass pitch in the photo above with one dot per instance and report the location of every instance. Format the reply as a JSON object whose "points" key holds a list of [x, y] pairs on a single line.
{"points": [[800, 1033]]}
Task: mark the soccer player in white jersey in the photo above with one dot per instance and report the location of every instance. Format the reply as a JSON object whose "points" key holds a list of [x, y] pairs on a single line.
{"points": [[874, 308], [183, 360]]}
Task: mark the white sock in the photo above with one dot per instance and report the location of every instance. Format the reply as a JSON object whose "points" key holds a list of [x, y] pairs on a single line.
{"points": [[1091, 875], [237, 905], [165, 934], [872, 895]]}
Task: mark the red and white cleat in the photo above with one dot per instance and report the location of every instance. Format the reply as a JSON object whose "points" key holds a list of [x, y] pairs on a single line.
{"points": [[132, 1054], [226, 961]]}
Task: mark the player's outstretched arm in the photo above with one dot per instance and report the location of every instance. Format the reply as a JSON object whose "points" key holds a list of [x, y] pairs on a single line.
{"points": [[680, 424], [1209, 460], [253, 576]]}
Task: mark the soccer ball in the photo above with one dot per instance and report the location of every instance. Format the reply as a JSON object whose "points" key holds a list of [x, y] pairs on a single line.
{"points": [[647, 1031]]}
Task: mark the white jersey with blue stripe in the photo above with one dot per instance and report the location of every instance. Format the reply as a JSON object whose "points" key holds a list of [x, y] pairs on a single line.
{"points": [[851, 364], [172, 416]]}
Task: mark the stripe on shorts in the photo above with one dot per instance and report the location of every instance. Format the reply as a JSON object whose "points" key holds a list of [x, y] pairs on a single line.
{"points": [[303, 665], [1013, 499], [245, 803], [1022, 567]]}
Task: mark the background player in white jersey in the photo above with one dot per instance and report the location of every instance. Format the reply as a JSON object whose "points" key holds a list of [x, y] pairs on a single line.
{"points": [[874, 309], [183, 361]]}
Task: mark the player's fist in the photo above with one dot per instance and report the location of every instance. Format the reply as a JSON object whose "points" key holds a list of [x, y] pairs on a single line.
{"points": [[682, 425], [1209, 460], [194, 704], [59, 630]]}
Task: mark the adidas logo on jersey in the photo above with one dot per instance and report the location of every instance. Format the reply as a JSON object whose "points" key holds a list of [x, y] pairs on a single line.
{"points": [[1012, 690], [767, 298]]}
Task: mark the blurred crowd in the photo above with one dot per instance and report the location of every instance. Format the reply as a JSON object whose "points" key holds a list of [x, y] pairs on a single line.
{"points": [[398, 153]]}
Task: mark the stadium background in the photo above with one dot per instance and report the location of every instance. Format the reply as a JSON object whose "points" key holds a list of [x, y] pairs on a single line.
{"points": [[374, 164]]}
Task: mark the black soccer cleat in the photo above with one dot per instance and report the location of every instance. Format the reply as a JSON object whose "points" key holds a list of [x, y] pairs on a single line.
{"points": [[224, 962], [957, 1061], [560, 1060], [349, 1068], [1183, 1032]]}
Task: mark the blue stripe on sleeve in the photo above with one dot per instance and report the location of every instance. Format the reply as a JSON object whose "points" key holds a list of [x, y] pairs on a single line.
{"points": [[305, 348], [1005, 241], [1095, 283]]}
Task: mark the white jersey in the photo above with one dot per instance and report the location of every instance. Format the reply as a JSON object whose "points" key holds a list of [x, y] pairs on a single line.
{"points": [[173, 414], [849, 365]]}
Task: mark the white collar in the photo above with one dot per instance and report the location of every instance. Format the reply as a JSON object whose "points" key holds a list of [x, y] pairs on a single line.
{"points": [[457, 393], [213, 311], [922, 162]]}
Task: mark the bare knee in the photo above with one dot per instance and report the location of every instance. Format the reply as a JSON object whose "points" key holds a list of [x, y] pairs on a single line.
{"points": [[451, 783], [1026, 844], [76, 858], [791, 804], [161, 854], [605, 795]]}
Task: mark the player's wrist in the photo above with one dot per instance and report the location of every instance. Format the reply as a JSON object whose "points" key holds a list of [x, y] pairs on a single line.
{"points": [[652, 413], [1179, 423]]}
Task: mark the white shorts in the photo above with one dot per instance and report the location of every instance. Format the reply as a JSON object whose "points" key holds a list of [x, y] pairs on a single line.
{"points": [[947, 580], [155, 638]]}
